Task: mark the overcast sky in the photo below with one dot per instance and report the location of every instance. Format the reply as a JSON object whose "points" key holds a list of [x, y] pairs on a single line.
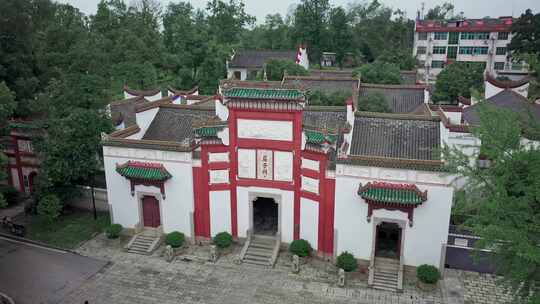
{"points": [[260, 8]]}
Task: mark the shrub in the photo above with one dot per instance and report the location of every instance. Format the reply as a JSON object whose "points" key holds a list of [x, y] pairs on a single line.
{"points": [[49, 207], [223, 239], [346, 261], [175, 239], [113, 231], [9, 195], [427, 274], [300, 247]]}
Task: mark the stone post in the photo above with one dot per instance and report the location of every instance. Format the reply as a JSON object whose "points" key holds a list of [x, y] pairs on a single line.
{"points": [[341, 278], [169, 253], [295, 264], [213, 253]]}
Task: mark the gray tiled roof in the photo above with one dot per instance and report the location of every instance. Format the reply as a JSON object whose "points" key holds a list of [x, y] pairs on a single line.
{"points": [[323, 83], [325, 117], [174, 123], [506, 99], [256, 59], [395, 136], [400, 98]]}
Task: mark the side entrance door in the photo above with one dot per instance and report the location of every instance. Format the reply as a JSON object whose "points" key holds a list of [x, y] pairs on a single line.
{"points": [[150, 206]]}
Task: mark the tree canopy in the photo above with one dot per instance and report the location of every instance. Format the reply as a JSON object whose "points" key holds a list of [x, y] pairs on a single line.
{"points": [[275, 69], [379, 72], [374, 102], [458, 79], [501, 202]]}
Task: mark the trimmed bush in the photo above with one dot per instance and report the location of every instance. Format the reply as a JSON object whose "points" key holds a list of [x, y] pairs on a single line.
{"points": [[175, 239], [223, 239], [346, 261], [428, 274], [113, 231], [49, 208], [301, 248]]}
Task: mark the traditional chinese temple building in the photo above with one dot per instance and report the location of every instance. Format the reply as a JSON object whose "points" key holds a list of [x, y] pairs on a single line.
{"points": [[262, 164]]}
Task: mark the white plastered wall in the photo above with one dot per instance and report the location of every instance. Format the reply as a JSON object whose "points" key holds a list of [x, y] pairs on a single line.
{"points": [[309, 221], [220, 212], [176, 209], [422, 242]]}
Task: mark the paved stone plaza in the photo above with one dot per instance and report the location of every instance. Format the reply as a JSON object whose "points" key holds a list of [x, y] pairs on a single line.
{"points": [[131, 278]]}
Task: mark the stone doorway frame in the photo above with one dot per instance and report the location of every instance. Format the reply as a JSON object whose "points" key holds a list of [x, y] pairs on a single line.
{"points": [[140, 226], [253, 196], [402, 225]]}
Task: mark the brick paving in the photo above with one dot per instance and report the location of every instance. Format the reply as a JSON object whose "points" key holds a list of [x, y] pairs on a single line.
{"points": [[137, 279]]}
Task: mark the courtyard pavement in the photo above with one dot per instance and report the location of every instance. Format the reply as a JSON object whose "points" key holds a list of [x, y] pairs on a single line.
{"points": [[190, 279], [33, 274]]}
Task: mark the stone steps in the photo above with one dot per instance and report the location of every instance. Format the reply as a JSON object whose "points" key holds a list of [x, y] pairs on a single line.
{"points": [[143, 243], [260, 251], [385, 275]]}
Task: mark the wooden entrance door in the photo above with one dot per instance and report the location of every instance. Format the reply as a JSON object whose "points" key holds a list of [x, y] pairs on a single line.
{"points": [[150, 206]]}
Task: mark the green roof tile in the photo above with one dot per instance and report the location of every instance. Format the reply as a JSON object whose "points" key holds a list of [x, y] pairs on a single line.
{"points": [[207, 131], [316, 137], [251, 93], [143, 171], [406, 194]]}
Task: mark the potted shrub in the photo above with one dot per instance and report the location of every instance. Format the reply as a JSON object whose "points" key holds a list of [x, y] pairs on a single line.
{"points": [[346, 261], [176, 240], [428, 276], [301, 248], [223, 241]]}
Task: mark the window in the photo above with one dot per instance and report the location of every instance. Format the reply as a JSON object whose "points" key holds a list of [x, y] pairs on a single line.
{"points": [[422, 36], [452, 52], [437, 64], [453, 38], [25, 146], [499, 66], [441, 36], [439, 50], [502, 36], [475, 36], [421, 50], [500, 51], [473, 50]]}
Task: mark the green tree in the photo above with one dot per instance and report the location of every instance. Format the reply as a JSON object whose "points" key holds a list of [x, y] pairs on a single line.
{"points": [[379, 72], [340, 33], [441, 12], [275, 68], [7, 107], [402, 58], [328, 98], [374, 102], [501, 202], [526, 34], [458, 79], [310, 26], [226, 20]]}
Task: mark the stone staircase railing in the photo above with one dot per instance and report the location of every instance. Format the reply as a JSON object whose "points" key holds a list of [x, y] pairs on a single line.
{"points": [[371, 268], [246, 244], [275, 251], [400, 273]]}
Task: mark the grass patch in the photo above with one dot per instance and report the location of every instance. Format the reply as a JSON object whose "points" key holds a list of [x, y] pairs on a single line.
{"points": [[69, 230]]}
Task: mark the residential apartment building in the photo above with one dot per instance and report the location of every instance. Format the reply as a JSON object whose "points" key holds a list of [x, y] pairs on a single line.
{"points": [[439, 43]]}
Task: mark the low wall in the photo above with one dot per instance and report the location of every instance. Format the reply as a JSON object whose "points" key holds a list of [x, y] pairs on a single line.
{"points": [[84, 200]]}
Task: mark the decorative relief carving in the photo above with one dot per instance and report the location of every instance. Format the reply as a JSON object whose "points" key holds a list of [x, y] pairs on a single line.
{"points": [[219, 176], [218, 157], [283, 164], [310, 164], [246, 163], [265, 129], [264, 164], [310, 184]]}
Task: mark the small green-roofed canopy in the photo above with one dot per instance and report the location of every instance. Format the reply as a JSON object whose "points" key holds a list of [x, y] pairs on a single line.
{"points": [[143, 171], [387, 193], [316, 137], [207, 131], [276, 94]]}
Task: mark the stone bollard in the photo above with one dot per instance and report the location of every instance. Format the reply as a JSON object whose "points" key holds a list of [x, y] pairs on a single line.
{"points": [[341, 278], [237, 260], [169, 253], [295, 264], [213, 253]]}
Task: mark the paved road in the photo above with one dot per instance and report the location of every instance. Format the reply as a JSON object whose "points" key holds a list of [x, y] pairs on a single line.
{"points": [[35, 275]]}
